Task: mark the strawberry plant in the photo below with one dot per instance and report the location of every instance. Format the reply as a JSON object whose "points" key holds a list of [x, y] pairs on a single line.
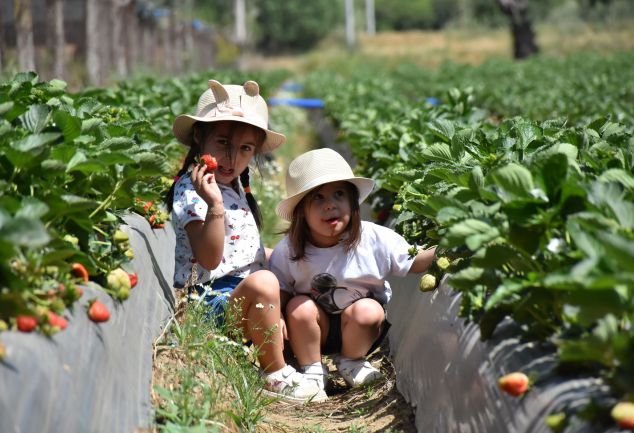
{"points": [[532, 214]]}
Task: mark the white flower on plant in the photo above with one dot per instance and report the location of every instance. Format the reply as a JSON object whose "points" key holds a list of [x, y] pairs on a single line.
{"points": [[259, 305], [556, 245], [538, 193]]}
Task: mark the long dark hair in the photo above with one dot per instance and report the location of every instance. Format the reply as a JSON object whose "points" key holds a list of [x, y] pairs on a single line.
{"points": [[194, 150], [299, 232]]}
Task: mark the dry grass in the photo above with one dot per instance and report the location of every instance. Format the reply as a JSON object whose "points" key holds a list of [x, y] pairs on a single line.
{"points": [[430, 48]]}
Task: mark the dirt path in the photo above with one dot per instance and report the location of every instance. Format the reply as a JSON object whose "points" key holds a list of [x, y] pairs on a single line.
{"points": [[375, 408]]}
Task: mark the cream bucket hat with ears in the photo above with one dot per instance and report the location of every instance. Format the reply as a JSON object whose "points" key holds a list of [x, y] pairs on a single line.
{"points": [[313, 169], [229, 102]]}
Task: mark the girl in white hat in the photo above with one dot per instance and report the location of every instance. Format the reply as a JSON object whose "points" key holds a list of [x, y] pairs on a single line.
{"points": [[332, 268], [219, 256]]}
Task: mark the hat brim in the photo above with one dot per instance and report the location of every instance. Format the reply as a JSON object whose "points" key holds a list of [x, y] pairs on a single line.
{"points": [[286, 207], [183, 130]]}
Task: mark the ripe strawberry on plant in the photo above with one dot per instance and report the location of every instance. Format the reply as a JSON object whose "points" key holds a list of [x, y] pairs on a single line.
{"points": [[514, 384], [623, 414], [209, 161], [26, 323], [80, 271], [134, 279], [55, 320], [98, 312]]}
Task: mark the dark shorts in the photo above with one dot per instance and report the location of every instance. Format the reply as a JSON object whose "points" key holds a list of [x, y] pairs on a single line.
{"points": [[215, 296], [334, 342]]}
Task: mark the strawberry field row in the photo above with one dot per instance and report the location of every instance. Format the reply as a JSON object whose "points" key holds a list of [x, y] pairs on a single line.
{"points": [[533, 215], [71, 165]]}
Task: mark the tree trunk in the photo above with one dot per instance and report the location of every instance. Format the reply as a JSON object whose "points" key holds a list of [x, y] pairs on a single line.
{"points": [[93, 62], [24, 33], [55, 12], [524, 44], [118, 48], [1, 40]]}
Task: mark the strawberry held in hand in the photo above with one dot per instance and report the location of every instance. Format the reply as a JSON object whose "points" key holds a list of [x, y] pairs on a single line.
{"points": [[209, 161], [514, 384]]}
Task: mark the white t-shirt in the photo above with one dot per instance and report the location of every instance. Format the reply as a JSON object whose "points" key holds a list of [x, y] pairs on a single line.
{"points": [[381, 252], [243, 250]]}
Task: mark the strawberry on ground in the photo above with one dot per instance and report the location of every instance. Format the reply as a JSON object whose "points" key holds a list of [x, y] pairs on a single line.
{"points": [[98, 312], [26, 323], [514, 384]]}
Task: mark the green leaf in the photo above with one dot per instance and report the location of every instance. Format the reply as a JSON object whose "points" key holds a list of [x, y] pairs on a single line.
{"points": [[32, 208], [69, 124], [438, 152], [527, 133], [470, 232], [618, 175], [514, 179], [24, 231], [36, 118], [443, 129], [35, 141]]}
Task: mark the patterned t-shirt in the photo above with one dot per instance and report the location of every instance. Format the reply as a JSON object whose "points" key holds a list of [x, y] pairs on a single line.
{"points": [[243, 249]]}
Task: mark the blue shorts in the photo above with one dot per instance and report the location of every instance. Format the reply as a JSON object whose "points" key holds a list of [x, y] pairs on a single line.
{"points": [[215, 296]]}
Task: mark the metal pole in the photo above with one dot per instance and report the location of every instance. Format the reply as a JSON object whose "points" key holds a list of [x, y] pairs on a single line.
{"points": [[370, 22], [350, 39], [241, 27]]}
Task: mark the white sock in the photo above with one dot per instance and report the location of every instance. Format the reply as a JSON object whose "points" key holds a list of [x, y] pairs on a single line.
{"points": [[275, 373], [314, 368]]}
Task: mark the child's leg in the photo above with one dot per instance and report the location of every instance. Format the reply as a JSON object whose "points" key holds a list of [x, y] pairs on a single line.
{"points": [[260, 302], [360, 327], [307, 329]]}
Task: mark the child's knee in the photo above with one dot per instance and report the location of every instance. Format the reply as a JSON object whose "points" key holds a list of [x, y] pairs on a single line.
{"points": [[301, 309], [365, 312]]}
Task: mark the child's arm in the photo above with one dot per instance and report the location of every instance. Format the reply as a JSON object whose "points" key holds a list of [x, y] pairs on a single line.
{"points": [[423, 260], [207, 238]]}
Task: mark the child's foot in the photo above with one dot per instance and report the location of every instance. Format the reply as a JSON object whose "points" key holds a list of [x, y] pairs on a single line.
{"points": [[316, 372], [356, 372], [290, 385]]}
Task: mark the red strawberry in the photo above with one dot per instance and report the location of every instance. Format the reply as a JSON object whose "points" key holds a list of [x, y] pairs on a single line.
{"points": [[209, 161], [79, 271], [514, 384], [98, 312], [26, 323], [55, 320], [134, 278], [623, 414]]}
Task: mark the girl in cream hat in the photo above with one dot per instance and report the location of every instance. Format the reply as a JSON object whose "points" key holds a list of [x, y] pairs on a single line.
{"points": [[332, 267], [219, 256]]}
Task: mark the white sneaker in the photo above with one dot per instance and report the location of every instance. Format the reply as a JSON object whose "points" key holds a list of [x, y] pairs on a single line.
{"points": [[290, 385], [356, 372], [319, 374]]}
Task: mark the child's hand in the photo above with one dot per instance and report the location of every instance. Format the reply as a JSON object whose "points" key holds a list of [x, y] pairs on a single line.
{"points": [[205, 185]]}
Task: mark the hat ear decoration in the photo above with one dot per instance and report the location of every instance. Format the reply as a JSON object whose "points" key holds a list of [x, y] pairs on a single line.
{"points": [[220, 93], [251, 88]]}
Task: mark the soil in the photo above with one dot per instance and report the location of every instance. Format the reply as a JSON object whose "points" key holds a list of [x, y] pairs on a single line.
{"points": [[374, 408]]}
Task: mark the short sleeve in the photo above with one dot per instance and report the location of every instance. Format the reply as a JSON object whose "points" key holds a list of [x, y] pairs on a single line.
{"points": [[187, 205], [397, 250], [279, 264]]}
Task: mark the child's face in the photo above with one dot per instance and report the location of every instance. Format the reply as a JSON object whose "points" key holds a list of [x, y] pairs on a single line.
{"points": [[233, 153], [327, 213]]}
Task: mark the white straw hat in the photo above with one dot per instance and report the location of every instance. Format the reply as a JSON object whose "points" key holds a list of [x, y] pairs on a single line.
{"points": [[229, 102], [313, 169]]}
